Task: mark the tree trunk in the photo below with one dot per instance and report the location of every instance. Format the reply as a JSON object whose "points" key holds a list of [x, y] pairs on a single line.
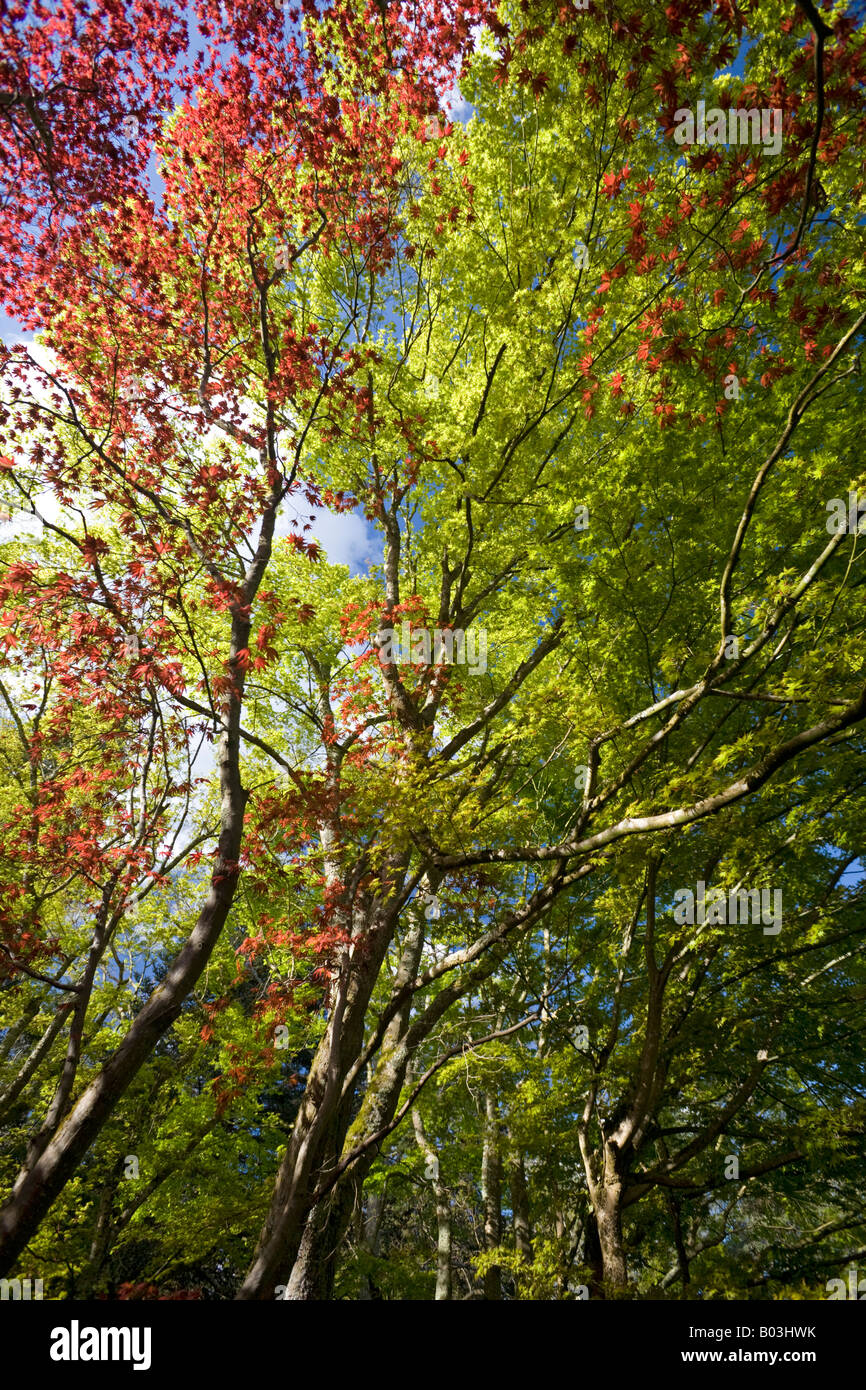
{"points": [[28, 1013], [491, 1192], [321, 1129], [520, 1206], [314, 1271], [443, 1213], [592, 1255], [609, 1219], [31, 1065], [605, 1251], [39, 1185], [443, 1244], [371, 1226], [102, 1234], [314, 1144], [608, 1214]]}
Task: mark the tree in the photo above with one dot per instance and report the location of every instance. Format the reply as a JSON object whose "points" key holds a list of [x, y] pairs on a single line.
{"points": [[501, 443], [594, 391], [82, 88], [109, 424]]}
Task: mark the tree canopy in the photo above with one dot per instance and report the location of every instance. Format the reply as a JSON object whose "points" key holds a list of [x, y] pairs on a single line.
{"points": [[486, 920]]}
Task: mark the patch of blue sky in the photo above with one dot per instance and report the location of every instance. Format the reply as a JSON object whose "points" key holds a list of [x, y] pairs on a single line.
{"points": [[737, 68]]}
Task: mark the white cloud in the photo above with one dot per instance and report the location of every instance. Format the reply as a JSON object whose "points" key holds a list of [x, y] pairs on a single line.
{"points": [[456, 107], [346, 537], [11, 331]]}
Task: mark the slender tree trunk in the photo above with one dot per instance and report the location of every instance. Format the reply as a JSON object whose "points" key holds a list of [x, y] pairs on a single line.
{"points": [[371, 1226], [32, 1063], [679, 1244], [443, 1213], [323, 1123], [99, 1246], [520, 1206], [443, 1243], [37, 1188], [28, 1013], [675, 1211], [38, 1185], [491, 1190], [314, 1144], [592, 1255], [324, 1132]]}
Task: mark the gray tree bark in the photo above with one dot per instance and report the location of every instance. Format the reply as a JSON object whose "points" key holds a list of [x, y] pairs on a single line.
{"points": [[520, 1205], [491, 1193]]}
